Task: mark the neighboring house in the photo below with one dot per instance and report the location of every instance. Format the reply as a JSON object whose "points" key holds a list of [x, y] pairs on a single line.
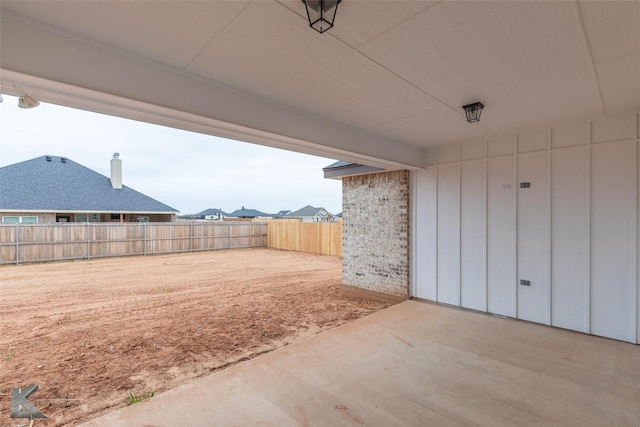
{"points": [[212, 214], [248, 213], [51, 189], [282, 213], [312, 214]]}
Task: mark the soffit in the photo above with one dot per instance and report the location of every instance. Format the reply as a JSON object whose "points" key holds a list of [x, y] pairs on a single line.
{"points": [[397, 71]]}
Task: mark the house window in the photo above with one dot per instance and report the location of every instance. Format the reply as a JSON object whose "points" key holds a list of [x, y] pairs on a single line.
{"points": [[84, 217], [143, 219], [19, 219], [115, 216]]}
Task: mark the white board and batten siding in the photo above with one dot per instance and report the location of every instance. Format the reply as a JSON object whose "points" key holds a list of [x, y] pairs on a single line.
{"points": [[541, 226]]}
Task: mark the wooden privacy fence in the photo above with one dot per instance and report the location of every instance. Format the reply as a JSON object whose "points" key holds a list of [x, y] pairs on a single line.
{"points": [[21, 243], [323, 238]]}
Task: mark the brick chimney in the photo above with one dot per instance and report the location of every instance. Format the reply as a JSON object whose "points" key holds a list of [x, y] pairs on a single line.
{"points": [[116, 171]]}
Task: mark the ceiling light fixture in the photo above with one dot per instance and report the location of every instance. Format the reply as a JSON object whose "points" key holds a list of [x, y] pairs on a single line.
{"points": [[25, 101], [473, 111], [321, 13]]}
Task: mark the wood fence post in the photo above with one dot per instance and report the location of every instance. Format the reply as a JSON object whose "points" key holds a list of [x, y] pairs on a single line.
{"points": [[17, 234]]}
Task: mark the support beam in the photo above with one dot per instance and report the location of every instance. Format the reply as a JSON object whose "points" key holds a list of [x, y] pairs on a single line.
{"points": [[66, 70]]}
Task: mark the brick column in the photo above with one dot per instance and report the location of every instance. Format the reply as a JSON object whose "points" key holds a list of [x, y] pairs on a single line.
{"points": [[375, 234]]}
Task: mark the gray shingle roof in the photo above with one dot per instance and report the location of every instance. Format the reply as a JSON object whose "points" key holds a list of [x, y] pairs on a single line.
{"points": [[306, 211], [64, 185], [341, 169], [338, 164], [212, 211], [248, 213]]}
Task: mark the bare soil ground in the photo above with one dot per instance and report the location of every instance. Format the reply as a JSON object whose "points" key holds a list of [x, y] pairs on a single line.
{"points": [[92, 332]]}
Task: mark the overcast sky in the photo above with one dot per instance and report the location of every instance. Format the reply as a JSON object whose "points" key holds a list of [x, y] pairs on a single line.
{"points": [[187, 171]]}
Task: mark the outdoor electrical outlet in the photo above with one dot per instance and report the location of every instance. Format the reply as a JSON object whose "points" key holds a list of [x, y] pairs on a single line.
{"points": [[525, 282]]}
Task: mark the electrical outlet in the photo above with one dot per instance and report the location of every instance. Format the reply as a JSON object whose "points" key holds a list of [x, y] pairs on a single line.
{"points": [[525, 185]]}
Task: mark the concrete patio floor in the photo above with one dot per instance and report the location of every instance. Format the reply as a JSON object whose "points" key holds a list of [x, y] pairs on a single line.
{"points": [[414, 364]]}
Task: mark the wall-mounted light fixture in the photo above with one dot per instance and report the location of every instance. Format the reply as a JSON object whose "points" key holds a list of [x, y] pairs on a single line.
{"points": [[473, 111], [321, 13], [25, 101]]}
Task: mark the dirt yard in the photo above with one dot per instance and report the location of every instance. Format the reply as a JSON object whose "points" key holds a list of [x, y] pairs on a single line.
{"points": [[90, 333]]}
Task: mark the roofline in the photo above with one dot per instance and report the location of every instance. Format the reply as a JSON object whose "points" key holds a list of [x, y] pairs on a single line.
{"points": [[348, 170], [84, 211]]}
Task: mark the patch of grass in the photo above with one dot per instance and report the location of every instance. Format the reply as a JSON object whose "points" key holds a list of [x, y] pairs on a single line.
{"points": [[9, 355], [139, 398]]}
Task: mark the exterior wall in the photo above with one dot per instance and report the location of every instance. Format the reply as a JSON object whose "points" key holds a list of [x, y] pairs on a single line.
{"points": [[375, 224], [43, 218], [162, 218], [541, 226], [50, 217], [318, 218], [128, 217]]}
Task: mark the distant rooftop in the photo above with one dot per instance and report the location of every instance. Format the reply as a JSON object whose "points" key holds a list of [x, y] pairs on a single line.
{"points": [[248, 213], [53, 183], [212, 211], [306, 211]]}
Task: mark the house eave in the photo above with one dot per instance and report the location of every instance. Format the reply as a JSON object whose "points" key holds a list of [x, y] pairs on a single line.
{"points": [[65, 211], [348, 170]]}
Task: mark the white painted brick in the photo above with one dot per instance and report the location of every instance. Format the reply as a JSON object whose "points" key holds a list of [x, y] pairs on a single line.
{"points": [[375, 232]]}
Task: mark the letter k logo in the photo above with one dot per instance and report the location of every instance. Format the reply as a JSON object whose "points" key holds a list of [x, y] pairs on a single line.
{"points": [[21, 407]]}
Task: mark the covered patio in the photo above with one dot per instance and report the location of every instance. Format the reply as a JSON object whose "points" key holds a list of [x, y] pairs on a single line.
{"points": [[414, 364], [532, 213]]}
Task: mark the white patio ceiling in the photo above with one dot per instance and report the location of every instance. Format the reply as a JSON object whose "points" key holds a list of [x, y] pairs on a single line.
{"points": [[386, 82]]}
